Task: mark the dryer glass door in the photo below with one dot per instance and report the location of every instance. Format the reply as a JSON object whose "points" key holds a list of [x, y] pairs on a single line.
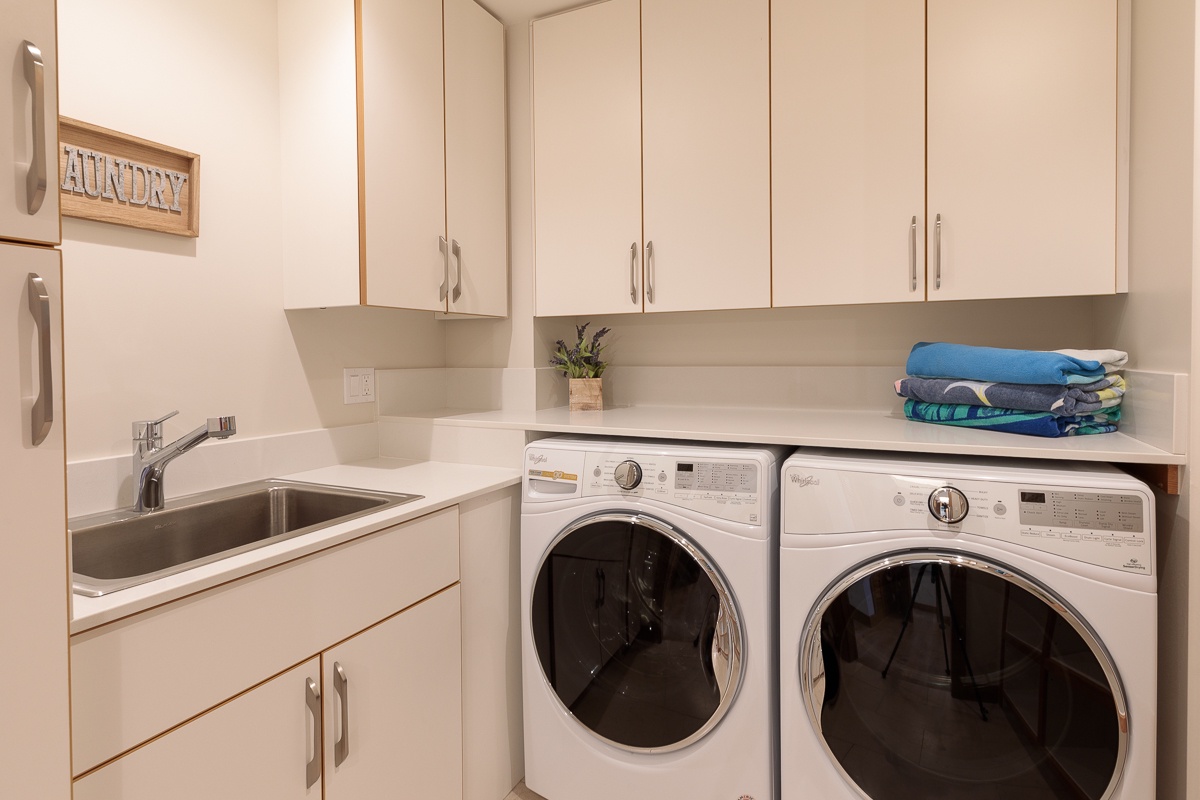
{"points": [[637, 633], [930, 675]]}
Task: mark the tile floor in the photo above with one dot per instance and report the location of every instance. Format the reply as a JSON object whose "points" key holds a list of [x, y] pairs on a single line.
{"points": [[521, 793]]}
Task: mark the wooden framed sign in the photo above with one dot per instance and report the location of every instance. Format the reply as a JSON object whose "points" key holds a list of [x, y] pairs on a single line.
{"points": [[109, 176]]}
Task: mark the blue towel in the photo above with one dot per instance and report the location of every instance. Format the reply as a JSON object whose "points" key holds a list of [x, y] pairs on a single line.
{"points": [[945, 360], [1062, 401], [1030, 423]]}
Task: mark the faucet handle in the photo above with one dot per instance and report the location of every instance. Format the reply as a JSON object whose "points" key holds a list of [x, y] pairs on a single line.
{"points": [[151, 429]]}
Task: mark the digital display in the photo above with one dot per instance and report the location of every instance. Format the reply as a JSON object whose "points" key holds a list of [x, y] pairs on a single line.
{"points": [[684, 467], [1033, 497]]}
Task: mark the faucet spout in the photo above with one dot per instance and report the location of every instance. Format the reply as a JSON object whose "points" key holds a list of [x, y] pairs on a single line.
{"points": [[150, 457]]}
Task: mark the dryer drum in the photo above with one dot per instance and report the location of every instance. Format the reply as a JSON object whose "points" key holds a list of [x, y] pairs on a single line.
{"points": [[939, 674], [636, 631]]}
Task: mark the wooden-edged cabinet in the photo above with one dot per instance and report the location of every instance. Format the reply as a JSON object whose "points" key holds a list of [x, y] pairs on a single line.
{"points": [[377, 714], [948, 151], [393, 707], [652, 157], [410, 98]]}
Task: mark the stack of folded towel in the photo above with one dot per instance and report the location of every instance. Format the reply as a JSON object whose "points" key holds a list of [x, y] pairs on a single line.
{"points": [[1054, 393]]}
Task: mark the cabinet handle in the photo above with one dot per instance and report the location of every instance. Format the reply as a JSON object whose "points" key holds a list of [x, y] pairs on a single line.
{"points": [[312, 698], [42, 414], [341, 685], [633, 273], [456, 291], [650, 271], [937, 253], [443, 290], [35, 76], [912, 254]]}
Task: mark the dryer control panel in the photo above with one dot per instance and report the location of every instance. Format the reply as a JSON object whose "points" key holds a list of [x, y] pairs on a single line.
{"points": [[1107, 527]]}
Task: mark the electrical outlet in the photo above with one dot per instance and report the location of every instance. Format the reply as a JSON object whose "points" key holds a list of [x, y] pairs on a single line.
{"points": [[358, 385]]}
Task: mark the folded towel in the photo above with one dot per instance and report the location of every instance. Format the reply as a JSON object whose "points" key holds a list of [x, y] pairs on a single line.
{"points": [[946, 360], [1030, 423], [1111, 360], [1063, 401]]}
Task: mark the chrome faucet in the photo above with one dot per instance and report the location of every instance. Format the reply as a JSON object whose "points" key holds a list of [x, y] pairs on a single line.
{"points": [[150, 458]]}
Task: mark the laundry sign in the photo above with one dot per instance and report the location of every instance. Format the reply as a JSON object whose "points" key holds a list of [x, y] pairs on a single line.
{"points": [[109, 176]]}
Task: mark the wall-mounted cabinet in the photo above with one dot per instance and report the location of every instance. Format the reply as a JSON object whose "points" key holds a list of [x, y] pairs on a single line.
{"points": [[409, 97], [652, 157], [948, 151]]}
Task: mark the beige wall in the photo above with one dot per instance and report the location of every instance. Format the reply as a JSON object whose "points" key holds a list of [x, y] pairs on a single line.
{"points": [[157, 322]]}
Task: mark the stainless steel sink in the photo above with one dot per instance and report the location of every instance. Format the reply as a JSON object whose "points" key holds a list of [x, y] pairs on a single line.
{"points": [[116, 550]]}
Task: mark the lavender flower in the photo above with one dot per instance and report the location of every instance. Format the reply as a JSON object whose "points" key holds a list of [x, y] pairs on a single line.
{"points": [[583, 359]]}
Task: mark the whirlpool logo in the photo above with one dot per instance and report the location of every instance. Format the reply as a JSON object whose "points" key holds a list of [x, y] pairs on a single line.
{"points": [[538, 458], [804, 480]]}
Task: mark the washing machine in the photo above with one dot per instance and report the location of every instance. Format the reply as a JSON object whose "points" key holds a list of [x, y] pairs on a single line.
{"points": [[965, 629], [648, 575]]}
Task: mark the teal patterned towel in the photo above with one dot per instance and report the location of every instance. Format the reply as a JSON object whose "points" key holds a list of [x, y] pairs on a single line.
{"points": [[1007, 420]]}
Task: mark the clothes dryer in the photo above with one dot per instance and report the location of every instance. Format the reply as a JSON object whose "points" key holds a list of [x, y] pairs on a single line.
{"points": [[649, 614], [966, 629]]}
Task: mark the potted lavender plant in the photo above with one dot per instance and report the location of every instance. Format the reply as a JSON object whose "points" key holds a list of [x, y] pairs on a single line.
{"points": [[583, 366]]}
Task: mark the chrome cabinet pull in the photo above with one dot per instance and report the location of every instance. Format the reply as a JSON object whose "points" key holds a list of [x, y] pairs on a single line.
{"points": [[444, 289], [312, 698], [341, 685], [912, 254], [42, 414], [650, 271], [35, 76], [937, 253], [633, 273], [456, 291]]}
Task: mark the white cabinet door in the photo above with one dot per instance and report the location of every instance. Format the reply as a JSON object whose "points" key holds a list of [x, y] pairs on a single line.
{"points": [[393, 727], [848, 151], [259, 745], [476, 176], [706, 138], [1023, 162], [402, 154], [34, 614], [587, 160], [29, 122]]}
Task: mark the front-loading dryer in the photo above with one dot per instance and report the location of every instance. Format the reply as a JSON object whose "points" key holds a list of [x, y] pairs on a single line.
{"points": [[648, 577], [965, 629]]}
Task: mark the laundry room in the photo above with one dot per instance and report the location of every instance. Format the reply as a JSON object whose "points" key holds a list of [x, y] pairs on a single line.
{"points": [[741, 220]]}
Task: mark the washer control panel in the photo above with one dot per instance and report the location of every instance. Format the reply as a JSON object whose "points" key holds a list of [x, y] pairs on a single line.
{"points": [[1109, 528], [726, 488]]}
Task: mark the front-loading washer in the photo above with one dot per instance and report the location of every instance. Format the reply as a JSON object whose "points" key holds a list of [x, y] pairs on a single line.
{"points": [[648, 578], [965, 629]]}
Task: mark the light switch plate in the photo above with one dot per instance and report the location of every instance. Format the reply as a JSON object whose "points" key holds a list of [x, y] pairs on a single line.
{"points": [[358, 385]]}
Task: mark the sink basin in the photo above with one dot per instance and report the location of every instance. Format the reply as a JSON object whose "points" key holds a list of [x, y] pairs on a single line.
{"points": [[121, 549]]}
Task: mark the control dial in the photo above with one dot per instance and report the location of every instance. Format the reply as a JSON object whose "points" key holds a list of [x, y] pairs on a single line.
{"points": [[948, 505], [628, 474]]}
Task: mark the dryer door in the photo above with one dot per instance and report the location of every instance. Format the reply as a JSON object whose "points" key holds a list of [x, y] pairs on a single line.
{"points": [[928, 674], [637, 632]]}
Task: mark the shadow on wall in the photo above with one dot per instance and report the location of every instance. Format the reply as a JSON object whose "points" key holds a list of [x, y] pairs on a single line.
{"points": [[328, 340]]}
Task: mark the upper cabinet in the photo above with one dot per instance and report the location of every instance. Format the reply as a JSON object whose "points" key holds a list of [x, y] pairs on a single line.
{"points": [[848, 151], [424, 226], [652, 157], [948, 150], [29, 124], [1027, 149]]}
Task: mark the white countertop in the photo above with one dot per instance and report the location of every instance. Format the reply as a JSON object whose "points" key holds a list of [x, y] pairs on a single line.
{"points": [[440, 484], [857, 430]]}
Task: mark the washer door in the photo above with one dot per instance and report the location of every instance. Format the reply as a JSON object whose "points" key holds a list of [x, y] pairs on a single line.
{"points": [[636, 631], [931, 674]]}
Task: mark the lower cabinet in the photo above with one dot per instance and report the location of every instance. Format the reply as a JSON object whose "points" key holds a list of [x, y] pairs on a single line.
{"points": [[383, 707], [393, 707]]}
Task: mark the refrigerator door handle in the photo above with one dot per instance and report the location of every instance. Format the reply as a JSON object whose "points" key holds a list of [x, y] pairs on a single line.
{"points": [[42, 414]]}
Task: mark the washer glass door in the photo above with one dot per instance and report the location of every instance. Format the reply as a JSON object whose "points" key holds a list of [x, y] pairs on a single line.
{"points": [[927, 674], [636, 631]]}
